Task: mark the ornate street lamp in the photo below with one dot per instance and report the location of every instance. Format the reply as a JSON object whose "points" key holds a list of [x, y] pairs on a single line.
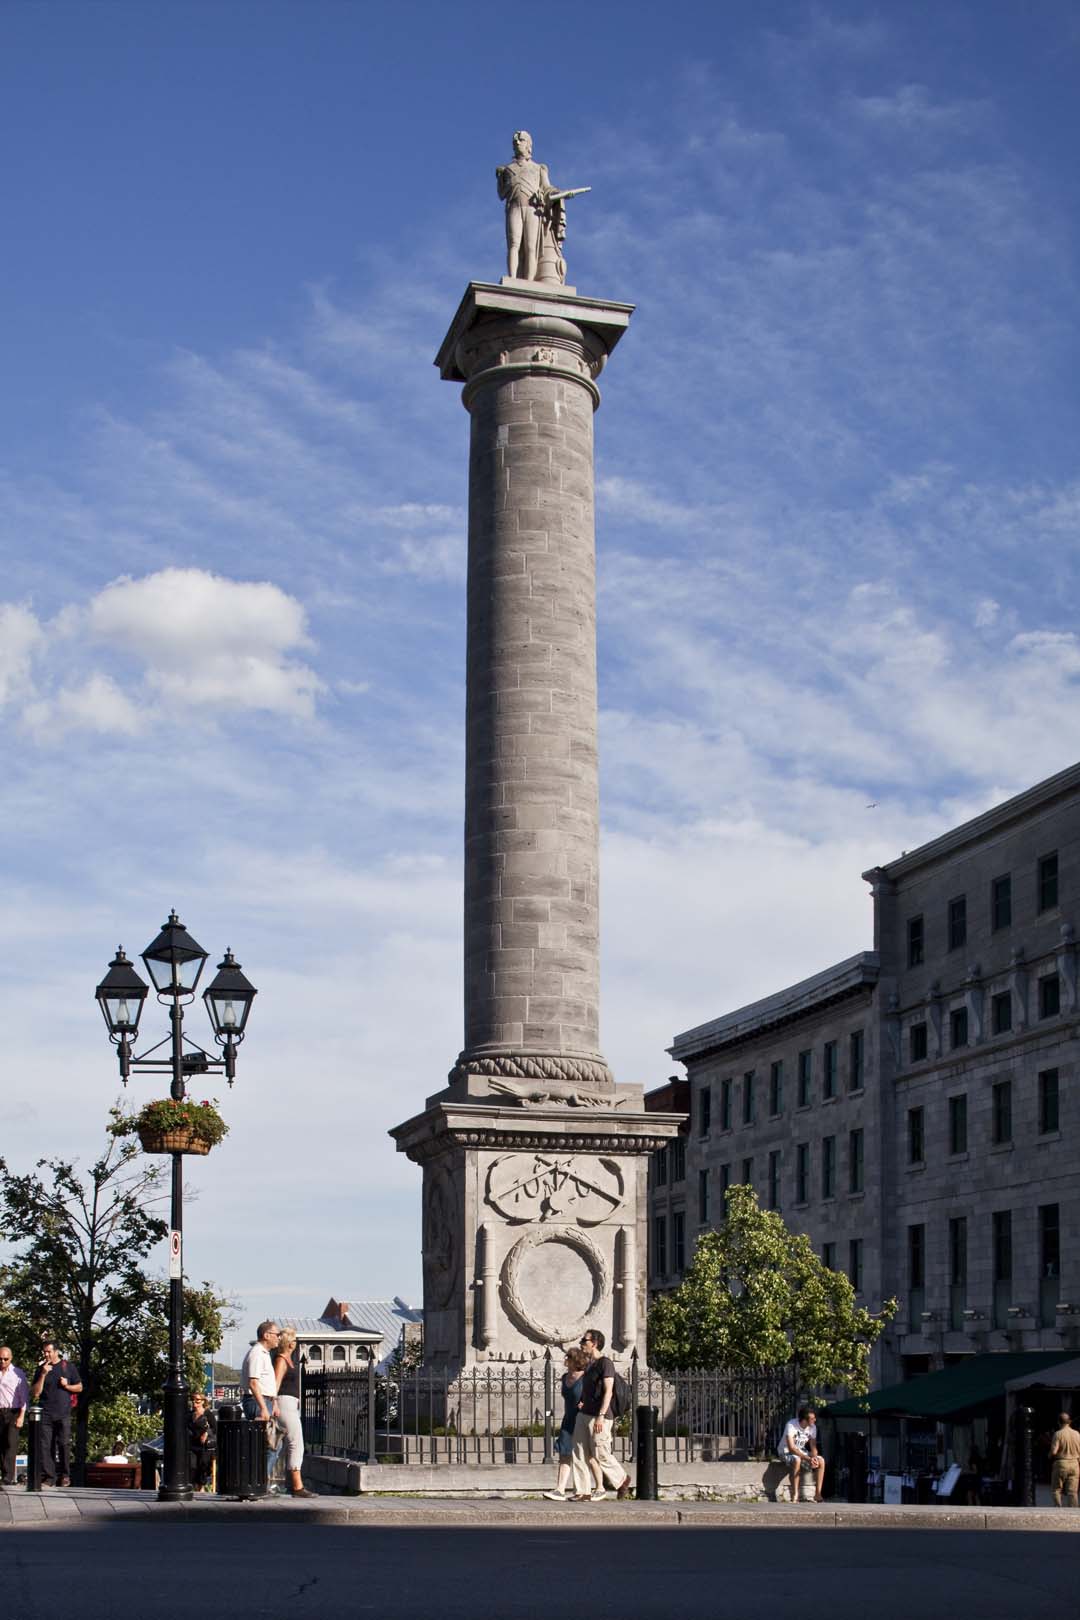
{"points": [[175, 962]]}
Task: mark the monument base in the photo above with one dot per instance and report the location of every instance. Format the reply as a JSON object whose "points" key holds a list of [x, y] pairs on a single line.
{"points": [[534, 1217]]}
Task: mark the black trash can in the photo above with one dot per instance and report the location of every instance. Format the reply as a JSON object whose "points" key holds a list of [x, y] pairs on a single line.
{"points": [[149, 1464], [241, 1454]]}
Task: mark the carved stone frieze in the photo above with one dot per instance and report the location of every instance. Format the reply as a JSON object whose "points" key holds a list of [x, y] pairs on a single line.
{"points": [[532, 1066], [557, 1099], [572, 1274], [551, 1186]]}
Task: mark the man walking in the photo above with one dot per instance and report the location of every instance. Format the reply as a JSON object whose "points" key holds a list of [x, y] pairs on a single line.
{"points": [[14, 1398], [593, 1429], [1065, 1463], [55, 1382], [259, 1383]]}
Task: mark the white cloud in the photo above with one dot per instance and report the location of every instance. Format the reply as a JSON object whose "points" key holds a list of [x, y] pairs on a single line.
{"points": [[21, 637], [96, 704], [208, 640]]}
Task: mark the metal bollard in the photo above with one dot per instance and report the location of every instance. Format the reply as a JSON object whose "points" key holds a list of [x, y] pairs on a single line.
{"points": [[33, 1448], [646, 1454]]}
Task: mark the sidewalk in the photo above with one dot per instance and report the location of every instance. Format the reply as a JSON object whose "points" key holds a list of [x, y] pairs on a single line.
{"points": [[76, 1508]]}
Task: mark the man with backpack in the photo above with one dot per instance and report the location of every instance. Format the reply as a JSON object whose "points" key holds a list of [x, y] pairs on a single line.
{"points": [[600, 1401]]}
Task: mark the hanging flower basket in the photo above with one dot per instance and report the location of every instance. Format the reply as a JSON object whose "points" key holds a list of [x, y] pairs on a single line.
{"points": [[168, 1126], [181, 1141]]}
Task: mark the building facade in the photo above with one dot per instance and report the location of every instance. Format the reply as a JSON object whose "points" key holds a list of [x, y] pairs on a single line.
{"points": [[912, 1109]]}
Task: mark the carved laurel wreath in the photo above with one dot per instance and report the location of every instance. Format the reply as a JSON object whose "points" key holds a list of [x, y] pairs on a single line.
{"points": [[516, 1309], [527, 1066]]}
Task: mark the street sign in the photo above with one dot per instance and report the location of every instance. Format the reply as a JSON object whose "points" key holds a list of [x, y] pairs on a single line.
{"points": [[176, 1255]]}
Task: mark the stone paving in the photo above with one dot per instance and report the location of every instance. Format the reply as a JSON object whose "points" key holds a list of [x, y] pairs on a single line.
{"points": [[74, 1508]]}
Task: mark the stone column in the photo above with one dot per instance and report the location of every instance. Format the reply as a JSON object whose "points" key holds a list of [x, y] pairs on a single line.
{"points": [[529, 356]]}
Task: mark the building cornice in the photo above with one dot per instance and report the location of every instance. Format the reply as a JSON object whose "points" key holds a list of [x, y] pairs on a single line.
{"points": [[1003, 815], [813, 995]]}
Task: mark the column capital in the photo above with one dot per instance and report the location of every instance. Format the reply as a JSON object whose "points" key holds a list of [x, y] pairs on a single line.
{"points": [[527, 325]]}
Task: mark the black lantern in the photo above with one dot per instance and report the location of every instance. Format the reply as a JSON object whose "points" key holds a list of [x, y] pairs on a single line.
{"points": [[120, 995], [228, 1000], [174, 960]]}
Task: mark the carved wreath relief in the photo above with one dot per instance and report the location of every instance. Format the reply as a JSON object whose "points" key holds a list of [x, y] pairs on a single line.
{"points": [[551, 1186]]}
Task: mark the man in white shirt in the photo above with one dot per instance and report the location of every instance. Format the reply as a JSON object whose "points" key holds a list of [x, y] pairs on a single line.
{"points": [[257, 1375], [799, 1446], [14, 1397]]}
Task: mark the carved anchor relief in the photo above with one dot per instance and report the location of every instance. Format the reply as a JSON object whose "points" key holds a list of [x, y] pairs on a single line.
{"points": [[546, 1187]]}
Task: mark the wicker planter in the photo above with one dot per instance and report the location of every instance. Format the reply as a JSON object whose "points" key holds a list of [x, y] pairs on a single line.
{"points": [[181, 1141]]}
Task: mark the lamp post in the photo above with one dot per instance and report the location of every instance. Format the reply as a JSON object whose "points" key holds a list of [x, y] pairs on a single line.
{"points": [[175, 962]]}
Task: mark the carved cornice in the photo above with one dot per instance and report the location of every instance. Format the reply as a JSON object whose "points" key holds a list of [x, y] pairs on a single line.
{"points": [[444, 1129], [534, 1066]]}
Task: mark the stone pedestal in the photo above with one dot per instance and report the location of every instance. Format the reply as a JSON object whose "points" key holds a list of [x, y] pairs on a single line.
{"points": [[534, 1160]]}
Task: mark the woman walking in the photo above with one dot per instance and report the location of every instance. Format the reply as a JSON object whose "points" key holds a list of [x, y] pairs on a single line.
{"points": [[287, 1373], [576, 1361]]}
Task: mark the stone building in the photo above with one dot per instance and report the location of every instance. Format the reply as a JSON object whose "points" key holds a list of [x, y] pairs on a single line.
{"points": [[351, 1332], [912, 1109]]}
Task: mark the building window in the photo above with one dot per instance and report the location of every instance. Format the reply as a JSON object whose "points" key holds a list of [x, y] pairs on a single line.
{"points": [[828, 1256], [1048, 1101], [855, 1161], [678, 1158], [957, 922], [916, 1251], [856, 1057], [338, 1352], [855, 1264], [1001, 1229], [705, 1110], [1001, 1013], [802, 1172], [748, 1172], [828, 1079], [806, 1069], [916, 1276], [828, 1167], [958, 1124], [659, 1246], [703, 1198], [725, 1105], [1049, 1264], [774, 1179], [1001, 902], [915, 942], [957, 1272], [917, 1042], [958, 1027], [916, 1135], [315, 1352], [748, 1098], [1049, 995], [1001, 1113], [1048, 881], [678, 1241], [660, 1166], [725, 1183], [776, 1089]]}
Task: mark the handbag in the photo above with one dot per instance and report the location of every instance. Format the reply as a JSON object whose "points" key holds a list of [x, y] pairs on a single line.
{"points": [[273, 1434]]}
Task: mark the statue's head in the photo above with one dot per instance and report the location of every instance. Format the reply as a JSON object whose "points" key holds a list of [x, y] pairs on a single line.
{"points": [[522, 143]]}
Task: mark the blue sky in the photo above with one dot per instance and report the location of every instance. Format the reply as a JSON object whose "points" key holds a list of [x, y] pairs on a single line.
{"points": [[838, 511]]}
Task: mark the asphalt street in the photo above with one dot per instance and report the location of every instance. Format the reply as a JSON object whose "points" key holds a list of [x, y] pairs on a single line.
{"points": [[180, 1571]]}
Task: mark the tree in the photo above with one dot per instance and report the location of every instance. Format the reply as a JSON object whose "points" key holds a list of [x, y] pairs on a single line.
{"points": [[78, 1274], [756, 1295]]}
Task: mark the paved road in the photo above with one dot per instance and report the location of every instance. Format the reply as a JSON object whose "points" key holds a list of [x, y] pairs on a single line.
{"points": [[247, 1571]]}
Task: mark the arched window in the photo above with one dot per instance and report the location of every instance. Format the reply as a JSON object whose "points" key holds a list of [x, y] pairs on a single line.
{"points": [[315, 1353], [339, 1352]]}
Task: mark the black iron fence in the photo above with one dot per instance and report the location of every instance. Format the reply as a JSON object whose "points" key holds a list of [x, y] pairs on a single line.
{"points": [[510, 1414]]}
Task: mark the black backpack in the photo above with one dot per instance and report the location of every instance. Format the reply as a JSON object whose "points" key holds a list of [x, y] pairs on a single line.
{"points": [[621, 1396]]}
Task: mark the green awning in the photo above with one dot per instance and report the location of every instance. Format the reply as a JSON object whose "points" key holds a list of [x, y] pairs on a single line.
{"points": [[966, 1384]]}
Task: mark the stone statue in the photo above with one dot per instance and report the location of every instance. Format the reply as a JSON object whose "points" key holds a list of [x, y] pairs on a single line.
{"points": [[535, 216]]}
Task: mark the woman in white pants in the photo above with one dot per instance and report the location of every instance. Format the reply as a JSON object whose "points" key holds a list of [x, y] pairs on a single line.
{"points": [[287, 1373]]}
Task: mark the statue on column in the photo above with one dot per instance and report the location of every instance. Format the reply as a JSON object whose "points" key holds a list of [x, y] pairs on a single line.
{"points": [[535, 216]]}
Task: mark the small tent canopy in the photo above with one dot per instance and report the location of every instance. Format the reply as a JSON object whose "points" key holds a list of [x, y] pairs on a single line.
{"points": [[946, 1394], [1063, 1375]]}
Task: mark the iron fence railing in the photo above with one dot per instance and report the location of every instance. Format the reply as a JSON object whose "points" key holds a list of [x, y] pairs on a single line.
{"points": [[498, 1414]]}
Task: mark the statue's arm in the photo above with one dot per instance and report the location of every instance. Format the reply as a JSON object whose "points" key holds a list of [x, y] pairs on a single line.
{"points": [[502, 179]]}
